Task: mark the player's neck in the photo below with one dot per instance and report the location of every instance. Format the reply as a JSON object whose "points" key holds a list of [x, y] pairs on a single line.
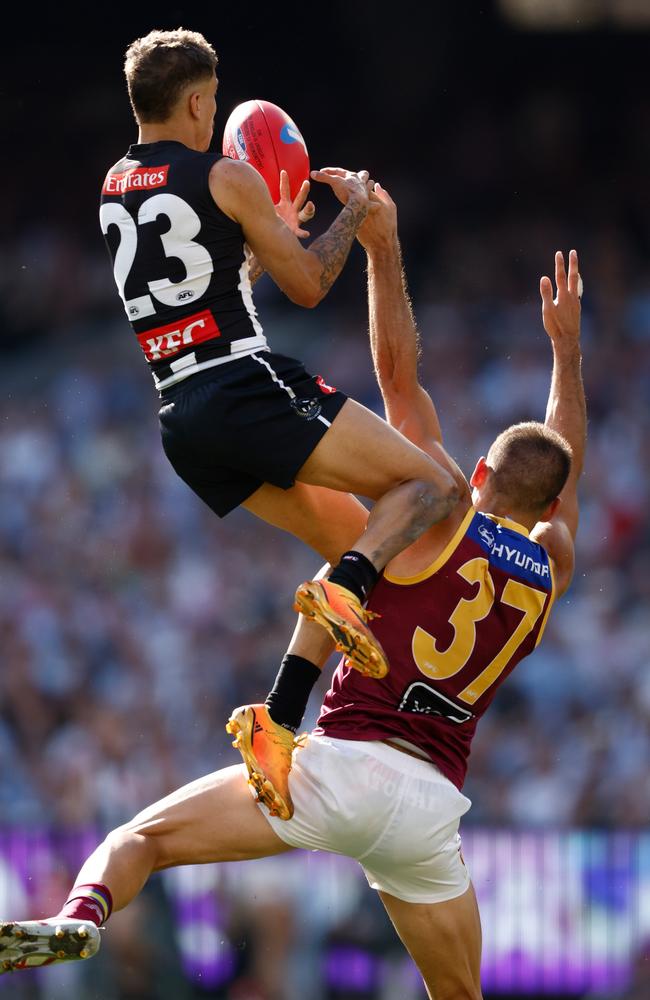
{"points": [[489, 500], [166, 132], [527, 521]]}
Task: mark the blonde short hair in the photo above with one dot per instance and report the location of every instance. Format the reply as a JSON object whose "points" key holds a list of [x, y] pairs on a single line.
{"points": [[530, 464], [159, 66]]}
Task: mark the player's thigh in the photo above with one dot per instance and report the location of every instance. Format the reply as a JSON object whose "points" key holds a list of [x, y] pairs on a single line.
{"points": [[326, 520], [361, 453], [212, 819], [444, 941]]}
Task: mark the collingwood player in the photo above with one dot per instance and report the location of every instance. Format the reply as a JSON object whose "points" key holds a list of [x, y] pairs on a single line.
{"points": [[380, 779], [240, 424]]}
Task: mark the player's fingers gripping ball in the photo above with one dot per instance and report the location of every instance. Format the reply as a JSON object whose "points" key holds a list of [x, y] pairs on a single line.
{"points": [[263, 134]]}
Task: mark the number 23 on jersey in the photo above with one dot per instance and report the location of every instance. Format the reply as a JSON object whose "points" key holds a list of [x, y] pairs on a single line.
{"points": [[177, 242]]}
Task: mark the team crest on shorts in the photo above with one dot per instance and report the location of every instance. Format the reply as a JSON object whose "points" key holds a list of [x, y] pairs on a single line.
{"points": [[309, 409]]}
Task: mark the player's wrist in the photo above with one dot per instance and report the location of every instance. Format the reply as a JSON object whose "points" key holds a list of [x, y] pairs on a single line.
{"points": [[567, 353], [383, 252], [358, 207]]}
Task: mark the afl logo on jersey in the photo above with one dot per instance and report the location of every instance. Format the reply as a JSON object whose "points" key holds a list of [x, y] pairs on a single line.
{"points": [[186, 294], [134, 311]]}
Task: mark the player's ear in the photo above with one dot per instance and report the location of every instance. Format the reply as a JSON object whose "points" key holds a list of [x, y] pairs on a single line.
{"points": [[194, 104], [479, 474]]}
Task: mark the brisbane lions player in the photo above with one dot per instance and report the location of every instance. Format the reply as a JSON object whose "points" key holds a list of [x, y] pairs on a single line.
{"points": [[380, 778], [240, 424]]}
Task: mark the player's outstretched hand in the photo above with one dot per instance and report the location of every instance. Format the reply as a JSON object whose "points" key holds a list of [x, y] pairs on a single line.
{"points": [[561, 315], [345, 184], [296, 211], [379, 229]]}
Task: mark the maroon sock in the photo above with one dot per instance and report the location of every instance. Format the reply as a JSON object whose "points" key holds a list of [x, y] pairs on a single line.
{"points": [[88, 902]]}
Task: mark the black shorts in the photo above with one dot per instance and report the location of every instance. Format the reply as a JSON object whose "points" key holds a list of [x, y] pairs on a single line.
{"points": [[231, 428]]}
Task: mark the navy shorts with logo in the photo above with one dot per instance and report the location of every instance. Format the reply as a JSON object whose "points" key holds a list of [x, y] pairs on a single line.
{"points": [[231, 428]]}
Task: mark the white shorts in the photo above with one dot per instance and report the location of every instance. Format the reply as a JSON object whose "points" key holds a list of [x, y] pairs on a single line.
{"points": [[396, 815]]}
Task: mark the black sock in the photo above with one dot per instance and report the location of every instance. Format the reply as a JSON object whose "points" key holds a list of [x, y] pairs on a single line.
{"points": [[289, 695], [356, 573]]}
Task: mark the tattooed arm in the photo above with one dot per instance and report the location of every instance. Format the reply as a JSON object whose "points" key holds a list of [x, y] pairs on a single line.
{"points": [[295, 212], [333, 247], [305, 275]]}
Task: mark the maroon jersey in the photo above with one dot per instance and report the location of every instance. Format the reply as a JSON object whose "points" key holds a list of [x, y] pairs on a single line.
{"points": [[452, 635]]}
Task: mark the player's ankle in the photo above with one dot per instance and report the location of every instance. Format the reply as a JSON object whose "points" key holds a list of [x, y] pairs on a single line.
{"points": [[287, 700], [356, 573], [91, 901]]}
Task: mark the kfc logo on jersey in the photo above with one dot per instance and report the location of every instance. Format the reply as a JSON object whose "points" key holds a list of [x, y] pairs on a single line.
{"points": [[136, 179], [168, 340]]}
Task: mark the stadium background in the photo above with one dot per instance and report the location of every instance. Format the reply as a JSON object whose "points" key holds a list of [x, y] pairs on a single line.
{"points": [[131, 620]]}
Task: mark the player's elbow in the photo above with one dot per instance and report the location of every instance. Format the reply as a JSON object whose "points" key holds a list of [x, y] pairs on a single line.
{"points": [[306, 294], [309, 299]]}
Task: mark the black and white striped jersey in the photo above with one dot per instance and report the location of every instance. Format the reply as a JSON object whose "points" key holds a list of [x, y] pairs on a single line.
{"points": [[179, 262]]}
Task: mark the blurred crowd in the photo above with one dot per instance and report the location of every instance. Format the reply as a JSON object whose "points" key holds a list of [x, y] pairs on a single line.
{"points": [[132, 619]]}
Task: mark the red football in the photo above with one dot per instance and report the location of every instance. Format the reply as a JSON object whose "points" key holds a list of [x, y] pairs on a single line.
{"points": [[263, 134]]}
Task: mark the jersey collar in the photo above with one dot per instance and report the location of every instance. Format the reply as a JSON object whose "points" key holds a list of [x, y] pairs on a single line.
{"points": [[507, 522]]}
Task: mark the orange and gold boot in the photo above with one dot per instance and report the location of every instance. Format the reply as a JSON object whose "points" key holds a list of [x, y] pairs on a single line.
{"points": [[340, 612], [267, 749]]}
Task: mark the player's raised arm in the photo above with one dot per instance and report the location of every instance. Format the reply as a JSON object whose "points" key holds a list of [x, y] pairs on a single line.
{"points": [[566, 410], [394, 339], [305, 275]]}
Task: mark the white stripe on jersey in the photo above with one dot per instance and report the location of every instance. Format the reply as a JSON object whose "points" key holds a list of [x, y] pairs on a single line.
{"points": [[241, 349], [244, 287]]}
